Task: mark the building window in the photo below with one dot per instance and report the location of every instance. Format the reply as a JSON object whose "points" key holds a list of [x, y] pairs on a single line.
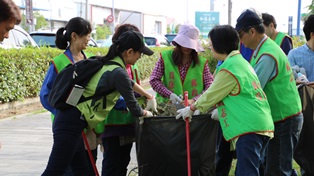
{"points": [[158, 27]]}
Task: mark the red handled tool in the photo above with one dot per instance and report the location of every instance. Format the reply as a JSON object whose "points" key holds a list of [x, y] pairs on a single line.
{"points": [[187, 132], [90, 154]]}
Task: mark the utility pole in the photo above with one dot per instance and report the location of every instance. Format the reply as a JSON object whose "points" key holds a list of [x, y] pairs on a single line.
{"points": [[86, 10], [212, 5], [229, 11], [113, 16], [299, 18]]}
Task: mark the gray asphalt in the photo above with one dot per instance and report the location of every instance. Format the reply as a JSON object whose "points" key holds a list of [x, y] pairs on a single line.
{"points": [[26, 142]]}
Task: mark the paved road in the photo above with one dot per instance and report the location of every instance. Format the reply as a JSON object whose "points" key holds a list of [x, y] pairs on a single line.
{"points": [[26, 144]]}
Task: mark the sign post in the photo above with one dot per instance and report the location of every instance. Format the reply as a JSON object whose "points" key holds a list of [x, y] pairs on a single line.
{"points": [[29, 14], [205, 21]]}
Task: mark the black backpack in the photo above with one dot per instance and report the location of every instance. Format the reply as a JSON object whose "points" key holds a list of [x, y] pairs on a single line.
{"points": [[70, 83]]}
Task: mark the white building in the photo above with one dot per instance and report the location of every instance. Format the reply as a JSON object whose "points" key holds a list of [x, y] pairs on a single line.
{"points": [[58, 12]]}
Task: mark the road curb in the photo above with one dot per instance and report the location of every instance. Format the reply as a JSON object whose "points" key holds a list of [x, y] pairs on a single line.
{"points": [[17, 104]]}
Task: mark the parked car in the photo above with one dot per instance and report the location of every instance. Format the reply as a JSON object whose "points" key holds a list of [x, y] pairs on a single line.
{"points": [[18, 38], [47, 38], [170, 37], [105, 43], [156, 41]]}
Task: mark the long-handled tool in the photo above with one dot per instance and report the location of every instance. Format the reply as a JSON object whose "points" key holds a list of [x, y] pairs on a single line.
{"points": [[187, 132], [90, 154]]}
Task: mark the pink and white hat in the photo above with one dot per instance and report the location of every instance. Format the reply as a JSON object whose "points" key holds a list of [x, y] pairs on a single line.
{"points": [[188, 37]]}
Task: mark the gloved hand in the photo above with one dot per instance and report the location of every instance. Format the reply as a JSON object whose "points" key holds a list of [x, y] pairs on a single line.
{"points": [[151, 104], [215, 115], [185, 113], [174, 99], [197, 112], [146, 115]]}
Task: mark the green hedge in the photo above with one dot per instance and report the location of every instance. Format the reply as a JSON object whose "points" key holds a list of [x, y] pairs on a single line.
{"points": [[23, 70]]}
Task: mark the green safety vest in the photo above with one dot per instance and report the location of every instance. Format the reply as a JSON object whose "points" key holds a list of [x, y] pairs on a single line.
{"points": [[119, 117], [279, 38], [96, 110], [60, 62], [281, 91], [193, 82], [247, 111]]}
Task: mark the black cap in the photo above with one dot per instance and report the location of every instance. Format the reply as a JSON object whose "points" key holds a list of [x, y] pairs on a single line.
{"points": [[248, 18], [134, 40]]}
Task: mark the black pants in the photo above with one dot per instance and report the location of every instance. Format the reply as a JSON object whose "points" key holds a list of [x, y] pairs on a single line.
{"points": [[223, 155], [68, 146], [116, 158]]}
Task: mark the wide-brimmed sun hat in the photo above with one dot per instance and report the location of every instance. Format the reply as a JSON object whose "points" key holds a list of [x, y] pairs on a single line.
{"points": [[188, 37]]}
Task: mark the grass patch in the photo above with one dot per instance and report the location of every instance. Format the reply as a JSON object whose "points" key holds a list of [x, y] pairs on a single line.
{"points": [[234, 162]]}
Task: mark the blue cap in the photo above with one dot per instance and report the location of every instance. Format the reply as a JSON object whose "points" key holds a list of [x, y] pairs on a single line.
{"points": [[246, 19]]}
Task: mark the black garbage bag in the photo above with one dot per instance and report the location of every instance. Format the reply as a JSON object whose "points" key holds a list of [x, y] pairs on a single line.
{"points": [[161, 146], [304, 152]]}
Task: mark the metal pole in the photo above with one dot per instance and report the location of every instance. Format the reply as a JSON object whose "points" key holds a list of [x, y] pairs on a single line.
{"points": [[86, 10], [299, 18], [113, 15], [229, 11], [212, 5]]}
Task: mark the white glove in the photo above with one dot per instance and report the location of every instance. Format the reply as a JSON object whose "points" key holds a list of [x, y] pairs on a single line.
{"points": [[147, 115], [197, 112], [185, 113], [174, 99], [215, 115], [151, 104]]}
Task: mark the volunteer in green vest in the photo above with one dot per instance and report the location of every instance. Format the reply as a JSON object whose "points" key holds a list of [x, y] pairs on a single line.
{"points": [[242, 107], [69, 123], [181, 69], [119, 127], [275, 74], [283, 40], [73, 38]]}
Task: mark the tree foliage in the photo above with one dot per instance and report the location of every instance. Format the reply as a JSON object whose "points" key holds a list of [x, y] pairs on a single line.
{"points": [[40, 21], [102, 32], [311, 8]]}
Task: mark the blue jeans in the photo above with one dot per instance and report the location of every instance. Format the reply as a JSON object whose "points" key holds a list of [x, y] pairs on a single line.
{"points": [[279, 153], [116, 158], [250, 149], [68, 146]]}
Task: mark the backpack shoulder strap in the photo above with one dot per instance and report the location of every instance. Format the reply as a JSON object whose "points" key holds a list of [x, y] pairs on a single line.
{"points": [[82, 99]]}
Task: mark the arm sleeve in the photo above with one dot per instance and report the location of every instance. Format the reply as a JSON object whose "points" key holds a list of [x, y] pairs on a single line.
{"points": [[155, 79], [286, 45], [223, 84], [125, 87], [291, 58], [265, 69], [46, 87]]}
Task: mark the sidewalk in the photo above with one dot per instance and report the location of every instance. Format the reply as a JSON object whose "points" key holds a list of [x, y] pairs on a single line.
{"points": [[26, 142]]}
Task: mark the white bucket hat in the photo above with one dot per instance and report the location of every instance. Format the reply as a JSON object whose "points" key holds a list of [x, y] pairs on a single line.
{"points": [[188, 37]]}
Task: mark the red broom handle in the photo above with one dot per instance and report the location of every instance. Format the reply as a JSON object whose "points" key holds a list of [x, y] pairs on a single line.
{"points": [[187, 133], [90, 154]]}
